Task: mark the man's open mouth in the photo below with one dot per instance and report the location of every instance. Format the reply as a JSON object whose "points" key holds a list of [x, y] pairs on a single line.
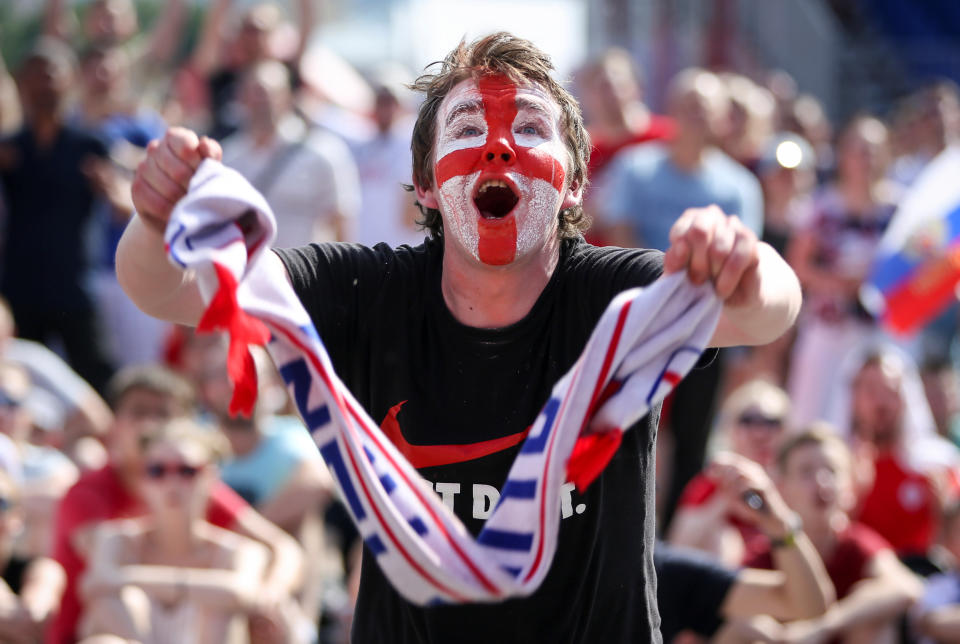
{"points": [[495, 199]]}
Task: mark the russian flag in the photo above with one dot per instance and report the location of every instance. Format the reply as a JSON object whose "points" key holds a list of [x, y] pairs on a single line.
{"points": [[917, 268]]}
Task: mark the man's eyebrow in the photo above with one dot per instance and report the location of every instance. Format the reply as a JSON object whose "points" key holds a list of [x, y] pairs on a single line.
{"points": [[524, 103], [474, 106]]}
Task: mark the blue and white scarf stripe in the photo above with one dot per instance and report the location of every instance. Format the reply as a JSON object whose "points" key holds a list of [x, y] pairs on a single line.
{"points": [[645, 341]]}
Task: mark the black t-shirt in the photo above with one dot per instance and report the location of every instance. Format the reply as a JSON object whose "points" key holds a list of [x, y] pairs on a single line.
{"points": [[431, 380], [49, 204], [691, 588]]}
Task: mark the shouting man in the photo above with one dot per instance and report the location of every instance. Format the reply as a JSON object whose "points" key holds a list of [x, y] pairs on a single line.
{"points": [[457, 342]]}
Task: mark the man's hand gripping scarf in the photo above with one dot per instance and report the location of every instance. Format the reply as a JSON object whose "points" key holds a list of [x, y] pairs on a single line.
{"points": [[645, 342]]}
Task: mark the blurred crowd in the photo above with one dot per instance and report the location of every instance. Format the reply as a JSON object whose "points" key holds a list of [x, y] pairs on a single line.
{"points": [[134, 507]]}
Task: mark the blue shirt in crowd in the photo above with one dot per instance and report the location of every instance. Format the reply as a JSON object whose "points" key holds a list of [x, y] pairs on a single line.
{"points": [[647, 191], [259, 475]]}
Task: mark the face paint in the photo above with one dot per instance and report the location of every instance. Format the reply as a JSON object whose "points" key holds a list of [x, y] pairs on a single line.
{"points": [[500, 168]]}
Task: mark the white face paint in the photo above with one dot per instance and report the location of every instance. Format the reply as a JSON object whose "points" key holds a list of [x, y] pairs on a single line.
{"points": [[496, 133]]}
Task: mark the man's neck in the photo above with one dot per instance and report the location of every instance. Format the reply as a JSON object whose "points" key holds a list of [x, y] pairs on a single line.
{"points": [[858, 195], [263, 135], [245, 441], [174, 537], [97, 107], [495, 296], [687, 153], [45, 128], [824, 531]]}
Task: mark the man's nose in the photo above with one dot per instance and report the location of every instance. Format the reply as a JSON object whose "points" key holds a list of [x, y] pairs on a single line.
{"points": [[499, 151]]}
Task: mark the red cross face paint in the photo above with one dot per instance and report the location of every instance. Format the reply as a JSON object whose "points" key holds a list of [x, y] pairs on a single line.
{"points": [[500, 168]]}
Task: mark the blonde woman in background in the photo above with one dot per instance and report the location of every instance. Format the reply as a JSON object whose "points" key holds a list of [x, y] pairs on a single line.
{"points": [[752, 422], [171, 576]]}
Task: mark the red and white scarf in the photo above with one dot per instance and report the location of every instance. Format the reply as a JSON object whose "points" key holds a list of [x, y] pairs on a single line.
{"points": [[645, 342]]}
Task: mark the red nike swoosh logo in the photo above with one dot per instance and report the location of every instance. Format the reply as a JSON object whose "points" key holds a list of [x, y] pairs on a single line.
{"points": [[433, 455]]}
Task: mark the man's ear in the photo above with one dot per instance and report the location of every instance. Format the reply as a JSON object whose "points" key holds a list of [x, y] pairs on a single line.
{"points": [[573, 196], [426, 196]]}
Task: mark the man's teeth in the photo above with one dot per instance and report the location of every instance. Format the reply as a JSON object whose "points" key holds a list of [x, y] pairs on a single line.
{"points": [[495, 183]]}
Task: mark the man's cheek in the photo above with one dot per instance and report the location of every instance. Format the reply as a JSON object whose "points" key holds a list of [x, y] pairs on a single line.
{"points": [[540, 220], [458, 210], [544, 162]]}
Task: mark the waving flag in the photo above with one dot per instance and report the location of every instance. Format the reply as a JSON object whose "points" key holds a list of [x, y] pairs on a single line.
{"points": [[917, 269]]}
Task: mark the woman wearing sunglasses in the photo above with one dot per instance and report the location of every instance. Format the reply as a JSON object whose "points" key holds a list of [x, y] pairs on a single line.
{"points": [[171, 576], [751, 424]]}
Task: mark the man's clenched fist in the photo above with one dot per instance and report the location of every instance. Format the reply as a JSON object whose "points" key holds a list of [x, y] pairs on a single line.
{"points": [[163, 177]]}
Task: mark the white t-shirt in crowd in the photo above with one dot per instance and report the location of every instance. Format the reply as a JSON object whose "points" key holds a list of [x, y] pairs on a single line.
{"points": [[385, 165], [316, 182]]}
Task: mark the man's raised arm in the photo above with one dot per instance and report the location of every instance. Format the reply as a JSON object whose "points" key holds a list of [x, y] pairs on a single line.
{"points": [[760, 292], [155, 285]]}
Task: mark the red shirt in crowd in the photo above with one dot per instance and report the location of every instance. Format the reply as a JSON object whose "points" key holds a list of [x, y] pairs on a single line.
{"points": [[660, 128], [602, 152], [700, 491], [901, 506], [100, 496], [849, 563]]}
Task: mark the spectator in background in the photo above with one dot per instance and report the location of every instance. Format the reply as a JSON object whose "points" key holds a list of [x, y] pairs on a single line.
{"points": [[171, 574], [787, 174], [787, 171], [114, 23], [616, 114], [785, 92], [937, 614], [109, 107], [29, 589], [732, 604], [274, 465], [942, 388], [650, 185], [51, 173], [84, 412], [388, 213], [653, 183], [223, 57], [873, 588], [832, 256], [752, 112], [907, 470], [808, 119], [611, 90], [10, 116], [46, 473], [141, 396], [13, 412], [935, 124], [307, 175], [752, 420]]}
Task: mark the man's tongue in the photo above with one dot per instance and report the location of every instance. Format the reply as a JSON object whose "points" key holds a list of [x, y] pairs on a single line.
{"points": [[495, 202]]}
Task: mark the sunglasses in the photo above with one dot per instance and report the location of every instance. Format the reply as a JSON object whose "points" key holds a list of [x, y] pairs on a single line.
{"points": [[756, 419], [158, 471]]}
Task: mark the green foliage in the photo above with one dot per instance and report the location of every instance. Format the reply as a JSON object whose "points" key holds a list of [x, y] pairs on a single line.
{"points": [[18, 31]]}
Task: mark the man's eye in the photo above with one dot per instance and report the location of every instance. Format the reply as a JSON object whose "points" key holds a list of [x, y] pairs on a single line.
{"points": [[530, 130], [470, 131]]}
